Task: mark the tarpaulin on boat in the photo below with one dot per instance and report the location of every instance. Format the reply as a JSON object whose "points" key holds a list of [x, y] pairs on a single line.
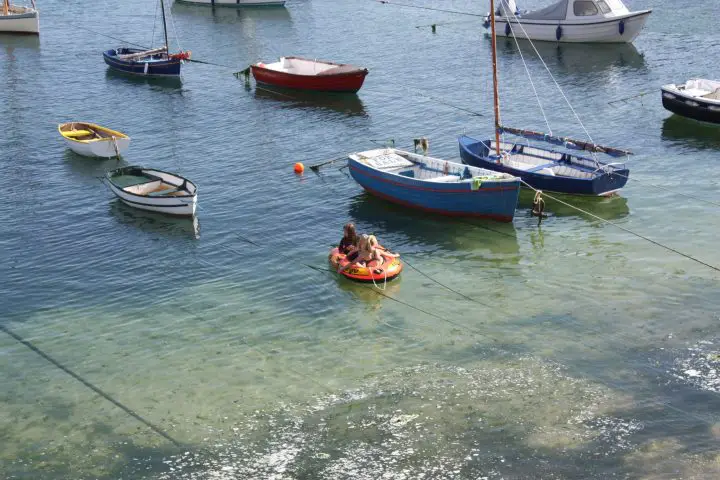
{"points": [[557, 11]]}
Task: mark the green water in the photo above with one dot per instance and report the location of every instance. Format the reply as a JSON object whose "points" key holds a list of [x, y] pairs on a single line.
{"points": [[572, 349]]}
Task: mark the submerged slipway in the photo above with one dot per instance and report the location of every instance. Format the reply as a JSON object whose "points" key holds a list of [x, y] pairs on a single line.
{"points": [[584, 353]]}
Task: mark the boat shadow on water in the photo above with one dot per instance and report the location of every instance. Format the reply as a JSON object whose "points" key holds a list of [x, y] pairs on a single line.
{"points": [[577, 58], [346, 103], [155, 223], [89, 167], [692, 133], [169, 84], [609, 208], [456, 236], [252, 13], [10, 41]]}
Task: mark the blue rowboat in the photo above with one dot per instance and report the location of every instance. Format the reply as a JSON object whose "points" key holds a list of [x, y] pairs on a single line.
{"points": [[546, 169], [151, 63], [435, 185]]}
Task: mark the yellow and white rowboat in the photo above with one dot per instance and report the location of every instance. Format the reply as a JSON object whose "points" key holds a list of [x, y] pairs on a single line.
{"points": [[92, 140]]}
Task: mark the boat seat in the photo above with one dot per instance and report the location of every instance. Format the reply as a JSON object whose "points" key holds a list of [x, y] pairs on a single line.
{"points": [[445, 179], [160, 193], [540, 167], [77, 133]]}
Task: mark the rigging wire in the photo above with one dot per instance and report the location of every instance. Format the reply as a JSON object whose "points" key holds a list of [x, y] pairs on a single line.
{"points": [[532, 83], [552, 77]]}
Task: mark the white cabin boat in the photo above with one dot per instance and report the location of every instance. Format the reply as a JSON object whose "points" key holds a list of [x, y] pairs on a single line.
{"points": [[572, 21], [90, 140], [153, 190], [19, 19], [235, 3]]}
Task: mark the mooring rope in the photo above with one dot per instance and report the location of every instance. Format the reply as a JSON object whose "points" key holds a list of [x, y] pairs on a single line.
{"points": [[654, 242], [430, 8], [92, 387]]}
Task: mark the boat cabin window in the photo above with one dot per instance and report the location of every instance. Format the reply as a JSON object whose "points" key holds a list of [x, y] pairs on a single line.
{"points": [[584, 8], [603, 6]]}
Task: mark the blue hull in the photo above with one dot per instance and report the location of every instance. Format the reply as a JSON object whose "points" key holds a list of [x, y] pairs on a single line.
{"points": [[156, 67], [493, 199], [600, 182]]}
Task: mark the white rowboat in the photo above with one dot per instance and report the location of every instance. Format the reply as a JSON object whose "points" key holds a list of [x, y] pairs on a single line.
{"points": [[19, 19], [235, 3], [572, 21], [91, 140], [153, 190]]}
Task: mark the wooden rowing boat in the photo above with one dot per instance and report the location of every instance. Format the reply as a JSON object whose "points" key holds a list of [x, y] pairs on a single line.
{"points": [[91, 140]]}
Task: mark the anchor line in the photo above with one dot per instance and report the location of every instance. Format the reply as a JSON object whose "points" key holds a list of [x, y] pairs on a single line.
{"points": [[92, 387], [627, 230]]}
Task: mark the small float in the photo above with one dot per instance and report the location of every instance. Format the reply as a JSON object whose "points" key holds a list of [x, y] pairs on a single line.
{"points": [[153, 190], [697, 98], [305, 74], [91, 140], [19, 19], [388, 270]]}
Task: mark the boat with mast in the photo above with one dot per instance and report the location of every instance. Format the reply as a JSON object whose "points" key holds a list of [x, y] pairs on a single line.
{"points": [[539, 167], [19, 19], [156, 62]]}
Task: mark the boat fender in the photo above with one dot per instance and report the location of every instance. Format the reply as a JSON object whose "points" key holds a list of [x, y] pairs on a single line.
{"points": [[622, 27], [145, 69], [507, 29], [558, 33]]}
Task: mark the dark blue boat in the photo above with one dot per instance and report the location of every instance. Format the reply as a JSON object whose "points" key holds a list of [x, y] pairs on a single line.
{"points": [[149, 63], [546, 169], [542, 168], [434, 185], [143, 62]]}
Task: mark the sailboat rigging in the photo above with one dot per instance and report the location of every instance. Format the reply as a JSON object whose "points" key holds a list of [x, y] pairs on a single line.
{"points": [[540, 167], [157, 62]]}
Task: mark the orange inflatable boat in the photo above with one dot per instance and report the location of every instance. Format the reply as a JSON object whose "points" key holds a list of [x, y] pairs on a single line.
{"points": [[389, 269]]}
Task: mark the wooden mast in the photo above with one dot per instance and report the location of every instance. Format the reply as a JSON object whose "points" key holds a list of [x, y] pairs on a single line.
{"points": [[167, 45], [496, 99]]}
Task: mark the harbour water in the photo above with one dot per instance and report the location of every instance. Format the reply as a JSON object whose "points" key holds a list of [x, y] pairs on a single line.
{"points": [[208, 349]]}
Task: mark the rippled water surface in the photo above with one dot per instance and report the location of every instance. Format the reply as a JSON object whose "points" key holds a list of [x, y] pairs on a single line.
{"points": [[171, 349]]}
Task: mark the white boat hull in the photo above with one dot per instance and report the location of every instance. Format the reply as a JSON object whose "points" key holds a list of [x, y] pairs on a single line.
{"points": [[25, 22], [235, 3], [605, 31], [180, 206], [104, 148]]}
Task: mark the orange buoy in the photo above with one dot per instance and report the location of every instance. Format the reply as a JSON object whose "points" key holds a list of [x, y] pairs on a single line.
{"points": [[299, 167]]}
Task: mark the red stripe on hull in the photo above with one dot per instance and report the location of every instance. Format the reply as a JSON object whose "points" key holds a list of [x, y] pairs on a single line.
{"points": [[345, 82], [499, 218]]}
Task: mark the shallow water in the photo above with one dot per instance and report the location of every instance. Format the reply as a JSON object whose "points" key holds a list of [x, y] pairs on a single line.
{"points": [[567, 350]]}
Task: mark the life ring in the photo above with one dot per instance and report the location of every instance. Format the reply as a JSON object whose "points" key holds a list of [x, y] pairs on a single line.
{"points": [[390, 268]]}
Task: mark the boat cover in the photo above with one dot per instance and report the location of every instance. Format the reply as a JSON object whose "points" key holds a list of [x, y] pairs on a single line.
{"points": [[557, 11]]}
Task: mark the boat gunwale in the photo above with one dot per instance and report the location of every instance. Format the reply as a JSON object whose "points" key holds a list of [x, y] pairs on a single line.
{"points": [[570, 23], [108, 177], [120, 135]]}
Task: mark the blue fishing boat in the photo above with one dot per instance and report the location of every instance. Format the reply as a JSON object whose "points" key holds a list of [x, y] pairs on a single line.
{"points": [[155, 62], [435, 185], [542, 168]]}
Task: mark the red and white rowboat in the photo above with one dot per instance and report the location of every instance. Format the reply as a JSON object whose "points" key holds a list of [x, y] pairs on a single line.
{"points": [[305, 74]]}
